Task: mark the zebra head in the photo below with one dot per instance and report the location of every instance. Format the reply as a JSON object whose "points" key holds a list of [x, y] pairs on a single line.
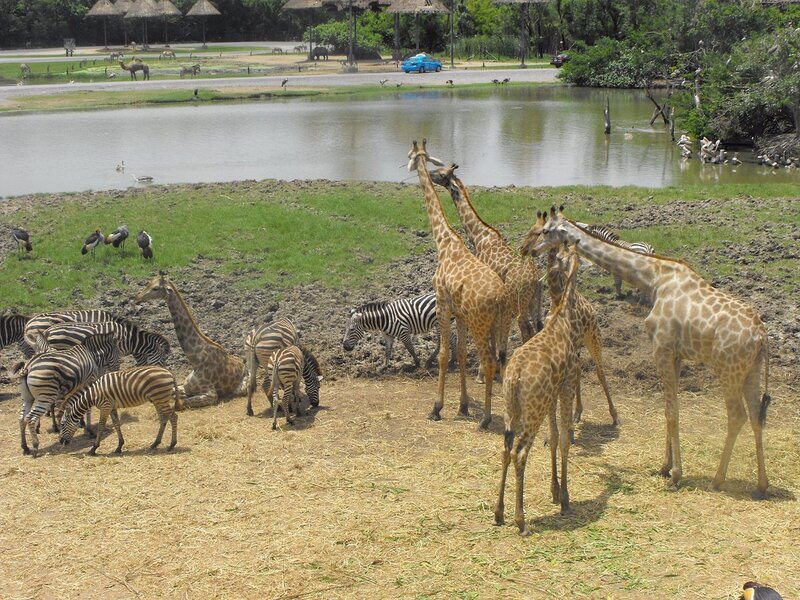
{"points": [[153, 349], [355, 329], [70, 421], [312, 376], [104, 350]]}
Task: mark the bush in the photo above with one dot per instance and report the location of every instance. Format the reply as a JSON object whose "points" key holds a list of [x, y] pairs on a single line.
{"points": [[614, 64]]}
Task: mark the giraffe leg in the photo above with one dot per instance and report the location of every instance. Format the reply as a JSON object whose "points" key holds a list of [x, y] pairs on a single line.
{"points": [[752, 390], [618, 285], [555, 486], [737, 417], [508, 444], [443, 317], [593, 345], [461, 344], [565, 436], [578, 402], [668, 367], [199, 391], [520, 457], [488, 364]]}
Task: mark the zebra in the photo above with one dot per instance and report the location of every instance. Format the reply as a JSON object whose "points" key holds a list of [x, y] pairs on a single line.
{"points": [[288, 364], [124, 389], [12, 329], [394, 319], [262, 342], [47, 379], [40, 322], [609, 236], [146, 347]]}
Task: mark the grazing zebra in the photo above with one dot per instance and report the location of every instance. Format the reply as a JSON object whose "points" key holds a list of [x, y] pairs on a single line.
{"points": [[12, 329], [606, 234], [262, 342], [124, 389], [146, 347], [37, 324], [288, 364], [394, 319], [47, 379]]}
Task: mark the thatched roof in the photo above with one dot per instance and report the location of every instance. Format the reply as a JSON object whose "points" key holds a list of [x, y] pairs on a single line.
{"points": [[203, 8], [123, 6], [168, 9], [520, 1], [103, 8], [301, 4], [143, 9], [418, 7]]}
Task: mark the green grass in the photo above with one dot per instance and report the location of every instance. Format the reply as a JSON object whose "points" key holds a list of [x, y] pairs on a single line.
{"points": [[344, 234]]}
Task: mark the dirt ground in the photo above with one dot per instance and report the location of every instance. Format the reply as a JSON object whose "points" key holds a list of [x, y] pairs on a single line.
{"points": [[366, 498]]}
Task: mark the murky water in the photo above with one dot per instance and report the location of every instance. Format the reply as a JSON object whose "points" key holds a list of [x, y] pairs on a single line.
{"points": [[506, 135]]}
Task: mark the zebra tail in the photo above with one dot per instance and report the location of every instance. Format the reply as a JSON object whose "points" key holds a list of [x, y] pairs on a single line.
{"points": [[766, 399], [19, 370], [180, 405]]}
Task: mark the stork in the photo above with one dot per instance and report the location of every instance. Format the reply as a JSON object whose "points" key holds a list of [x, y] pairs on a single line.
{"points": [[284, 82], [117, 238], [145, 243], [22, 238], [92, 242]]}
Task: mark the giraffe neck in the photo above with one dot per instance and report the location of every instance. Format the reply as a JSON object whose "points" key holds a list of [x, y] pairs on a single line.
{"points": [[555, 279], [191, 339], [476, 229], [443, 234], [640, 270]]}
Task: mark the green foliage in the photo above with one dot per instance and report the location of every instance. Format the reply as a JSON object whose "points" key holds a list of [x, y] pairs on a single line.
{"points": [[614, 64], [336, 34], [484, 47]]}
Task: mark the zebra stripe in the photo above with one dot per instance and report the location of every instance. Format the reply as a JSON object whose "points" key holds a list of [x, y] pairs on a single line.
{"points": [[125, 389], [48, 379], [395, 319], [12, 330], [39, 323], [288, 365], [262, 342], [146, 347], [609, 236]]}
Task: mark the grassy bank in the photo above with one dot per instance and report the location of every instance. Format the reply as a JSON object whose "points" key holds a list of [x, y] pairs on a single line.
{"points": [[344, 234]]}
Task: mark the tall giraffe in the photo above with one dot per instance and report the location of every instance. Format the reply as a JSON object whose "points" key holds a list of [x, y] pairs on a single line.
{"points": [[539, 381], [517, 272], [690, 320], [584, 318], [218, 374], [467, 290]]}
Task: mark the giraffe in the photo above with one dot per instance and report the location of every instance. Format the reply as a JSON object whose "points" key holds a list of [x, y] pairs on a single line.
{"points": [[583, 315], [136, 65], [518, 272], [539, 379], [217, 373], [690, 320], [466, 289]]}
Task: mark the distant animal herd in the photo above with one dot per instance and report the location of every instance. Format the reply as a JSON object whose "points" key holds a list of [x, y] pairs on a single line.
{"points": [[73, 356]]}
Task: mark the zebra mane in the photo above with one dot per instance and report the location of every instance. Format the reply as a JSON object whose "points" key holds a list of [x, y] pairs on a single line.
{"points": [[603, 232], [371, 306], [311, 360]]}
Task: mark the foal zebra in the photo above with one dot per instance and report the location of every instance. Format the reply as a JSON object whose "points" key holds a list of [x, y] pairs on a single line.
{"points": [[394, 319], [12, 329], [146, 347], [262, 342], [606, 234], [288, 364], [39, 323], [124, 389], [47, 379]]}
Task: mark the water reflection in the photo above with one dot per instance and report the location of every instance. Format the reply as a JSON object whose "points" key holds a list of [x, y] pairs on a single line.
{"points": [[550, 135]]}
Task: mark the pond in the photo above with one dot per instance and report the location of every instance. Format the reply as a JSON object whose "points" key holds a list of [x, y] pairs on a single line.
{"points": [[521, 135]]}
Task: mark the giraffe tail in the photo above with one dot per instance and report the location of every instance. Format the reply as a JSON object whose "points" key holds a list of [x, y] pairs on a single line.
{"points": [[766, 399]]}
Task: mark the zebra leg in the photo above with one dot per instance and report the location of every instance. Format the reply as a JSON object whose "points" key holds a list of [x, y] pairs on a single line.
{"points": [[296, 398], [27, 403], [275, 406], [173, 421], [33, 424], [405, 337], [252, 367], [118, 426], [163, 418], [101, 426], [388, 345]]}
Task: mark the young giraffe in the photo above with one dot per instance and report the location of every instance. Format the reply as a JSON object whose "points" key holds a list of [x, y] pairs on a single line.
{"points": [[466, 289], [539, 375], [690, 320], [217, 373], [518, 272], [583, 315]]}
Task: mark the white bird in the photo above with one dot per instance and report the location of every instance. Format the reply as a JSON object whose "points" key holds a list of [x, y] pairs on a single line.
{"points": [[284, 82], [383, 81], [142, 178], [449, 82], [121, 167]]}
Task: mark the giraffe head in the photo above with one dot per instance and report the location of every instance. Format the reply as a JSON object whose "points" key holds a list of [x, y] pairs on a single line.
{"points": [[526, 249], [444, 176], [554, 231], [159, 287], [421, 152]]}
